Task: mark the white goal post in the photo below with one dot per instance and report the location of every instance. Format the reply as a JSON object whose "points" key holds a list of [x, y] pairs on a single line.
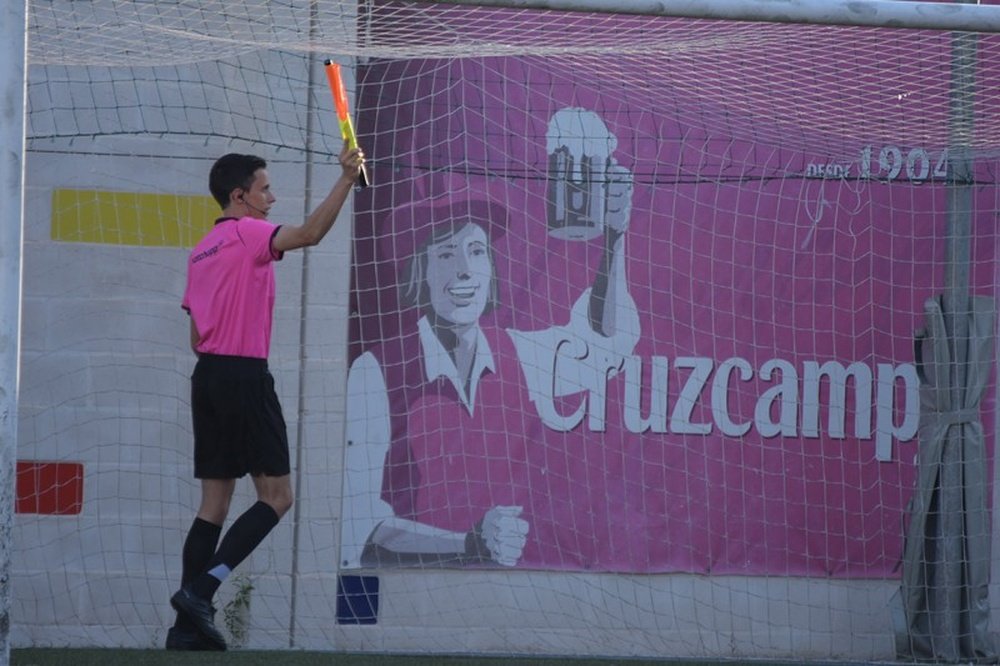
{"points": [[12, 87], [871, 13]]}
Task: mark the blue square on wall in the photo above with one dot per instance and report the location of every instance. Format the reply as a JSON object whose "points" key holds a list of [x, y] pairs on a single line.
{"points": [[357, 599]]}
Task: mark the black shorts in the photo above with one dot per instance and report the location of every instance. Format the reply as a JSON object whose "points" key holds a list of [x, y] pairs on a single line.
{"points": [[238, 425]]}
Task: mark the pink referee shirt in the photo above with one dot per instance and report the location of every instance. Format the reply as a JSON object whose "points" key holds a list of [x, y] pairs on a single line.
{"points": [[230, 287]]}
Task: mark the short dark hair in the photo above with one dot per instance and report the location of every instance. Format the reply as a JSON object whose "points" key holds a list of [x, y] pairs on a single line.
{"points": [[232, 171]]}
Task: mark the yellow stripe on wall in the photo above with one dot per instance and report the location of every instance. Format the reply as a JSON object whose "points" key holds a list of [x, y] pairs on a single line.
{"points": [[131, 218]]}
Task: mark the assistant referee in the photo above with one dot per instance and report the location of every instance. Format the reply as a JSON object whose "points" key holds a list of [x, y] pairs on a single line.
{"points": [[238, 424]]}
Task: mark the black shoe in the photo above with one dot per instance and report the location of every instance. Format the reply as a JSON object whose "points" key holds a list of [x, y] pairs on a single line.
{"points": [[201, 613], [179, 639]]}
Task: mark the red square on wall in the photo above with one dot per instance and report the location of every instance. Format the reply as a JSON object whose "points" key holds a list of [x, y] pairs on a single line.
{"points": [[51, 488]]}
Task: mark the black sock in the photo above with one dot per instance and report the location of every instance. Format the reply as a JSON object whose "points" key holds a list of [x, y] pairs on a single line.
{"points": [[199, 547], [240, 540]]}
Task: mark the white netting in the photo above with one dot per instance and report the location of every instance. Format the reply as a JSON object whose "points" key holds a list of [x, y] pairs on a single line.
{"points": [[700, 390]]}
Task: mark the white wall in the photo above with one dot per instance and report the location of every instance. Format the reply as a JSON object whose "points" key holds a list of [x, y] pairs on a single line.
{"points": [[106, 365]]}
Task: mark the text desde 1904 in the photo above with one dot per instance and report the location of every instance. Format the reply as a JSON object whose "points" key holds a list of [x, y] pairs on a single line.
{"points": [[889, 163]]}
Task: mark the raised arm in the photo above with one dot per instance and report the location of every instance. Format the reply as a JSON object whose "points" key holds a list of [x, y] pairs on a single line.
{"points": [[610, 286], [291, 237]]}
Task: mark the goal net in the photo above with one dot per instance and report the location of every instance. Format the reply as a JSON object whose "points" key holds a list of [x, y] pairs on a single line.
{"points": [[651, 337]]}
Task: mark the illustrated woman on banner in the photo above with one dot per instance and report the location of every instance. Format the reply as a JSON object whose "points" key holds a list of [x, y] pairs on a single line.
{"points": [[441, 422]]}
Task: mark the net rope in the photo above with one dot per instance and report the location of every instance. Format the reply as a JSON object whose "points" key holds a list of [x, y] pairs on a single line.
{"points": [[791, 194]]}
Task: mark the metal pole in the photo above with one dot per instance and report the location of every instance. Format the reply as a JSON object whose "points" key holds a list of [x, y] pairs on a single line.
{"points": [[959, 192], [871, 13], [312, 62], [13, 78], [953, 558]]}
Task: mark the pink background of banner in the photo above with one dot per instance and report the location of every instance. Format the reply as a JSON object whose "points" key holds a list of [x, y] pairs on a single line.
{"points": [[725, 258]]}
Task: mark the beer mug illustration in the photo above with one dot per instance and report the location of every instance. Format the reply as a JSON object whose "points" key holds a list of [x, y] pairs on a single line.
{"points": [[579, 147]]}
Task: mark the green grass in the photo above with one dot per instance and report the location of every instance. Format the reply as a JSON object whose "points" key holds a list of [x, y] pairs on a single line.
{"points": [[123, 657]]}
